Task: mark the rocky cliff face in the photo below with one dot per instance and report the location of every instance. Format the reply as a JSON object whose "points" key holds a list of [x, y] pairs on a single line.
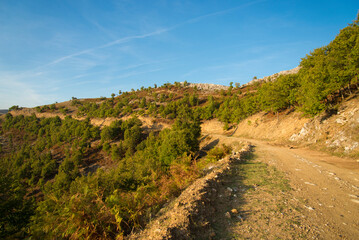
{"points": [[338, 132], [207, 86], [272, 77]]}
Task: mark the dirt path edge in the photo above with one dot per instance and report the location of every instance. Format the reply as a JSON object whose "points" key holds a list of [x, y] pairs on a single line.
{"points": [[187, 217]]}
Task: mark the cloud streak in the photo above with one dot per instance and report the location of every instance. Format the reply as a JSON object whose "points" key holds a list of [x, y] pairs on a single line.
{"points": [[18, 92], [151, 34], [116, 42]]}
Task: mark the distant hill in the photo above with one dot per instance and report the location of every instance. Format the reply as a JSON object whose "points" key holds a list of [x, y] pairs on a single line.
{"points": [[3, 111]]}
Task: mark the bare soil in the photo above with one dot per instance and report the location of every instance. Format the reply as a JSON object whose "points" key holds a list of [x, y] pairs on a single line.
{"points": [[323, 202], [191, 214], [272, 192]]}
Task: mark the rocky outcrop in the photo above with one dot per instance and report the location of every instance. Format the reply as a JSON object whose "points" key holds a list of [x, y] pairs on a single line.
{"points": [[338, 131], [207, 86], [273, 77]]}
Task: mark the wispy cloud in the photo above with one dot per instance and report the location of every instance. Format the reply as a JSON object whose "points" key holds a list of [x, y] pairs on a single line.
{"points": [[151, 34], [121, 71], [18, 92], [100, 27], [127, 39], [69, 56], [199, 18], [109, 44]]}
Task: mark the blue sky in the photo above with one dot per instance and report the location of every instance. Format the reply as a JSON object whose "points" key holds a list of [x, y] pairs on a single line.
{"points": [[53, 50]]}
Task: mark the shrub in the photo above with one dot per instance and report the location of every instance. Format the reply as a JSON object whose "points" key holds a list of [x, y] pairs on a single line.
{"points": [[218, 153]]}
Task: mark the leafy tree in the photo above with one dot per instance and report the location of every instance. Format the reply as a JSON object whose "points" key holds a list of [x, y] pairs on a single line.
{"points": [[15, 107], [329, 69]]}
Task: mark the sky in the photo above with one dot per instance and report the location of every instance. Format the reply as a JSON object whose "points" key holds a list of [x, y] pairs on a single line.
{"points": [[51, 51]]}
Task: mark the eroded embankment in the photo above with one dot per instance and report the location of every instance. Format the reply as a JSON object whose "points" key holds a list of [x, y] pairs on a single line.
{"points": [[188, 216], [335, 132]]}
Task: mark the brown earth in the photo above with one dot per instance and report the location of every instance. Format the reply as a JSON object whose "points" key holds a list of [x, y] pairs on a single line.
{"points": [[325, 188], [324, 195], [282, 192], [337, 133], [190, 215], [275, 193]]}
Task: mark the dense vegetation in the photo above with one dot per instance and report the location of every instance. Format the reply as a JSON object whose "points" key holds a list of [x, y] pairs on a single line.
{"points": [[48, 191]]}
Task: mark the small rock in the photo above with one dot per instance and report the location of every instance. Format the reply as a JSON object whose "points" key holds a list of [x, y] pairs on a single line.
{"points": [[229, 189], [310, 208]]}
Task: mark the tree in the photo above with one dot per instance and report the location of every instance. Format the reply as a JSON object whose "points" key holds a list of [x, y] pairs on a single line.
{"points": [[15, 107], [133, 137], [15, 209], [143, 103]]}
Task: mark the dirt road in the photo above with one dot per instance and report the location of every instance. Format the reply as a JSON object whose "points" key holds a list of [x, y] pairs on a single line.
{"points": [[324, 195]]}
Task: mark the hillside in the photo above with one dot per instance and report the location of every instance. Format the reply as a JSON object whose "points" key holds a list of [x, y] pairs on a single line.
{"points": [[103, 168]]}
